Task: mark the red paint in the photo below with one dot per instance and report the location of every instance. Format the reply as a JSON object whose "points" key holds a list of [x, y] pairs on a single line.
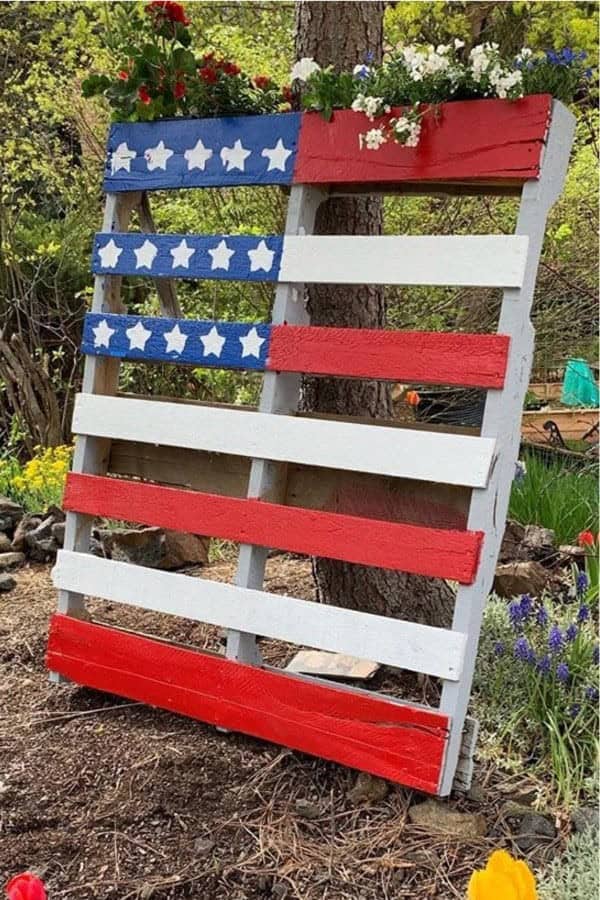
{"points": [[403, 743], [472, 140], [469, 360], [370, 542]]}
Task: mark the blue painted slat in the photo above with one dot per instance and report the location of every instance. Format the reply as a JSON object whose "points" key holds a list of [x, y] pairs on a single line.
{"points": [[218, 256], [184, 153], [222, 345]]}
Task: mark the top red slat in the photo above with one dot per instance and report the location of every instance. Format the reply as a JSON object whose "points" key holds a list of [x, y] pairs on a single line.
{"points": [[486, 141]]}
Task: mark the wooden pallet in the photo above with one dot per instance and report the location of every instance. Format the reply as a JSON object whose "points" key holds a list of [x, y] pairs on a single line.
{"points": [[422, 499]]}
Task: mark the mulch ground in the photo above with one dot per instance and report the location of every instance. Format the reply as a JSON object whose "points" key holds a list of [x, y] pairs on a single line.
{"points": [[105, 798]]}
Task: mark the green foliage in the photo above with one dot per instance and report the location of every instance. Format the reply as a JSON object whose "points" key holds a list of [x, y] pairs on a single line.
{"points": [[556, 496], [576, 874], [544, 657]]}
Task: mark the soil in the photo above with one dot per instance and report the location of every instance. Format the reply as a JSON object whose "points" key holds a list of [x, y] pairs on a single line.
{"points": [[105, 798]]}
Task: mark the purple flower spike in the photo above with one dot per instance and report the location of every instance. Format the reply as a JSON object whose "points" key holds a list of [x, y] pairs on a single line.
{"points": [[591, 693], [542, 616], [522, 649], [562, 672], [596, 655], [555, 639], [571, 632], [582, 583], [499, 648], [544, 665], [575, 710], [584, 613], [515, 614], [526, 605]]}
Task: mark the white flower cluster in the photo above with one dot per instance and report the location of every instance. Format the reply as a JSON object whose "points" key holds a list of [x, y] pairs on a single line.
{"points": [[304, 68], [370, 106], [486, 65], [372, 139], [431, 61], [407, 129]]}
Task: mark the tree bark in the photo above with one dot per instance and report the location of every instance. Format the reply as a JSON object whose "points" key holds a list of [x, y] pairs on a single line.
{"points": [[340, 34]]}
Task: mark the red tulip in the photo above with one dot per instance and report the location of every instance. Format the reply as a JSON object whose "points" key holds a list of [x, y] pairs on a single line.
{"points": [[412, 398], [26, 887], [586, 539]]}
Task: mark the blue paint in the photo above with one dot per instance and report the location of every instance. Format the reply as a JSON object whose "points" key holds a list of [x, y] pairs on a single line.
{"points": [[180, 135], [200, 263], [194, 351]]}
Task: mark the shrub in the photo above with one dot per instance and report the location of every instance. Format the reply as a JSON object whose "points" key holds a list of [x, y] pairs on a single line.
{"points": [[39, 482], [576, 874], [543, 657]]}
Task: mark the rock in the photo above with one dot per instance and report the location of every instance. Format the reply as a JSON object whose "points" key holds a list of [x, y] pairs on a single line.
{"points": [[435, 815], [585, 817], [307, 809], [40, 546], [538, 544], [573, 554], [10, 513], [516, 578], [156, 548], [535, 828], [26, 524], [203, 846], [7, 583], [476, 792], [11, 561], [368, 789], [5, 544], [58, 533], [513, 535]]}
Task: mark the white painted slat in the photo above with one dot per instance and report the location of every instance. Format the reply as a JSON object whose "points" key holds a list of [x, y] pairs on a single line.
{"points": [[401, 452], [406, 645], [469, 261]]}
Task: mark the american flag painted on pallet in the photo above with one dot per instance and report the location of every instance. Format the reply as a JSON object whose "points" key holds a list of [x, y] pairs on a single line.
{"points": [[409, 499]]}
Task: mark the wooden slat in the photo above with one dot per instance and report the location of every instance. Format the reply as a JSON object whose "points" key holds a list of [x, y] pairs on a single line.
{"points": [[351, 493], [451, 459], [470, 261], [405, 645], [402, 743], [472, 360], [438, 553], [472, 141]]}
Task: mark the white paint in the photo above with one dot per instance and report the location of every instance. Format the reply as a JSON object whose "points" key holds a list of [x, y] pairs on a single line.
{"points": [[471, 261], [425, 456], [406, 645]]}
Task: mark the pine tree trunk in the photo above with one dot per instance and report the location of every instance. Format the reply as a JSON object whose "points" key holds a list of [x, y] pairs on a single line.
{"points": [[340, 34]]}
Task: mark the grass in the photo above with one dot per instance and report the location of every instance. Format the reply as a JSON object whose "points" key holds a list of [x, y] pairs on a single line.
{"points": [[557, 496]]}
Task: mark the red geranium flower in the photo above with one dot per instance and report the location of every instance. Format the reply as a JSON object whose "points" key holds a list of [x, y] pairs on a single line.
{"points": [[286, 93], [230, 68], [169, 10], [208, 74], [144, 95], [179, 90], [262, 82], [26, 887], [123, 75], [586, 539]]}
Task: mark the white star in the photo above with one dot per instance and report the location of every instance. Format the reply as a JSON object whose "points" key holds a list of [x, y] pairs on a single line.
{"points": [[221, 254], [121, 158], [138, 335], [212, 342], [156, 157], [102, 334], [144, 255], [277, 156], [261, 258], [109, 255], [234, 157], [181, 255], [198, 156], [251, 344], [175, 340]]}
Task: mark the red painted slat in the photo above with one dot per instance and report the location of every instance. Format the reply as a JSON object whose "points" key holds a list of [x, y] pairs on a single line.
{"points": [[403, 743], [469, 360], [426, 551], [473, 140]]}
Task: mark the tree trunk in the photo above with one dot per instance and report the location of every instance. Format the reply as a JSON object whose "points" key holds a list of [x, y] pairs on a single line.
{"points": [[340, 34]]}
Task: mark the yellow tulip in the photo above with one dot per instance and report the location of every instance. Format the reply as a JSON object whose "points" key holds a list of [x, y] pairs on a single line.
{"points": [[504, 878]]}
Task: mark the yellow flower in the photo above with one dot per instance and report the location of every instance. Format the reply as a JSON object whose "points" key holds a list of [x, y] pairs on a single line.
{"points": [[504, 878]]}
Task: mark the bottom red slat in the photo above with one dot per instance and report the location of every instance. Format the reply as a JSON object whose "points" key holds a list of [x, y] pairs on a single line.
{"points": [[402, 743]]}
